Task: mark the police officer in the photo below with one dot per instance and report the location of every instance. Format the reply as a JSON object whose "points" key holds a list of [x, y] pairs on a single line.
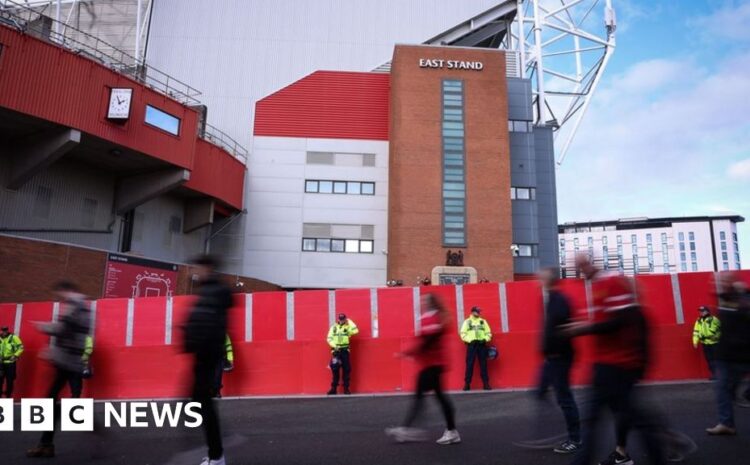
{"points": [[227, 364], [338, 339], [706, 331], [475, 332], [11, 349], [76, 381]]}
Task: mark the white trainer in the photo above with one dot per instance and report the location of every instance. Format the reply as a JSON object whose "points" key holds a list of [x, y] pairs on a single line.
{"points": [[219, 461], [405, 434], [450, 436]]}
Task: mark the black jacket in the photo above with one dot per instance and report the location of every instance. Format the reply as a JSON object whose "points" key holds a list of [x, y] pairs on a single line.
{"points": [[206, 328], [556, 313], [734, 314]]}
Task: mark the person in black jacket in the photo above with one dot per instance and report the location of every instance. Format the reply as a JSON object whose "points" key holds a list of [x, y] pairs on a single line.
{"points": [[205, 334], [65, 353], [558, 359], [733, 351]]}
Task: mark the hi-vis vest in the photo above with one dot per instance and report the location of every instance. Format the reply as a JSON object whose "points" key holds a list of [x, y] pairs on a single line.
{"points": [[338, 335], [10, 346], [706, 331], [475, 329], [228, 350]]}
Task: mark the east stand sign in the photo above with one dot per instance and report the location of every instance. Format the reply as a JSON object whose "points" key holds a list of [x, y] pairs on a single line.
{"points": [[450, 64]]}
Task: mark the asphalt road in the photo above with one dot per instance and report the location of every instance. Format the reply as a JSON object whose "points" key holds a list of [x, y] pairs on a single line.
{"points": [[349, 430]]}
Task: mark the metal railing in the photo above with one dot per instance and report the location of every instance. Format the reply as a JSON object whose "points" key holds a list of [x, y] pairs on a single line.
{"points": [[222, 139], [32, 22]]}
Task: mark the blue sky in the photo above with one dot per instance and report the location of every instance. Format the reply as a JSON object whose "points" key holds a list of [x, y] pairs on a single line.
{"points": [[668, 132]]}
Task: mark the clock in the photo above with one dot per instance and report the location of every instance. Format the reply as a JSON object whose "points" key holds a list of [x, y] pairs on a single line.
{"points": [[119, 104]]}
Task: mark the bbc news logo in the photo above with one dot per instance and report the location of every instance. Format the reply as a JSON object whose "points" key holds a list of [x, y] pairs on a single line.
{"points": [[78, 414]]}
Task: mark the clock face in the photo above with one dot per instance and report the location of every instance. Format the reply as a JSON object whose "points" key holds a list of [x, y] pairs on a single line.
{"points": [[119, 104]]}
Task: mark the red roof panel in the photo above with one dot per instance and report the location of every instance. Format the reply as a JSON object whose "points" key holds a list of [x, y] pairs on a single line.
{"points": [[327, 104]]}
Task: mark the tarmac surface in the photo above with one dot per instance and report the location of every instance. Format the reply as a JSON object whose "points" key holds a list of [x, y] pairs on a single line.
{"points": [[349, 430]]}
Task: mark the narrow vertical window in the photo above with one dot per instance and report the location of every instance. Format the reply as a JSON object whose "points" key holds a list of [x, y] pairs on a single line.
{"points": [[454, 181]]}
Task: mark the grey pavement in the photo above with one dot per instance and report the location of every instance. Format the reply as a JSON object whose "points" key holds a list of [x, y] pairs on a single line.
{"points": [[349, 430]]}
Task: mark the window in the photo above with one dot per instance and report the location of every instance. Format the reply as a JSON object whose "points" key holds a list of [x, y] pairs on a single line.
{"points": [[694, 266], [308, 245], [693, 256], [734, 237], [368, 188], [454, 181], [682, 246], [648, 237], [42, 202], [683, 256], [523, 193], [683, 266], [311, 186], [162, 120], [633, 238], [691, 235], [323, 245], [337, 245], [723, 246], [723, 236], [692, 246], [520, 126], [339, 187], [681, 236], [326, 187], [562, 243], [725, 265], [88, 218], [604, 240], [724, 256], [526, 250], [664, 238], [619, 240]]}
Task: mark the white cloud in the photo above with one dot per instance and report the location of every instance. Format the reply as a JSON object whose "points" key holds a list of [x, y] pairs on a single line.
{"points": [[729, 22], [662, 139], [739, 170]]}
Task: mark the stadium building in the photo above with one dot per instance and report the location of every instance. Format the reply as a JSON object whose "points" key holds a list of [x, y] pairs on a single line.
{"points": [[307, 159]]}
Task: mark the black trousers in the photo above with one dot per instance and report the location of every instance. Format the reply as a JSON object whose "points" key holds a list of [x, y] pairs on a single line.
{"points": [[218, 378], [61, 378], [76, 385], [555, 372], [7, 378], [204, 377], [709, 351], [429, 380], [476, 350], [613, 389], [345, 367]]}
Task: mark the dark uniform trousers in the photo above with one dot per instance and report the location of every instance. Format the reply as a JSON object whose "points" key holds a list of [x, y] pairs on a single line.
{"points": [[345, 366]]}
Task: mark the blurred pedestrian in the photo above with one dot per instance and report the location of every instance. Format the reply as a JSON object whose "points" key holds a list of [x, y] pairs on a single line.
{"points": [[205, 334], [65, 353], [706, 332], [476, 333], [558, 359], [429, 352], [620, 333], [339, 339], [11, 348], [733, 351]]}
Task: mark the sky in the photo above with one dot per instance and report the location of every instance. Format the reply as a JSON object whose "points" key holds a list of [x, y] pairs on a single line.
{"points": [[668, 131]]}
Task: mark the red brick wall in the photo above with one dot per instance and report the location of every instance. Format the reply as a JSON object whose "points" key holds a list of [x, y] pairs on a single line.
{"points": [[30, 268], [415, 243]]}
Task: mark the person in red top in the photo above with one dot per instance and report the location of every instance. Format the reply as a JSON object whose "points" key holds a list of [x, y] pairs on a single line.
{"points": [[620, 334], [429, 353]]}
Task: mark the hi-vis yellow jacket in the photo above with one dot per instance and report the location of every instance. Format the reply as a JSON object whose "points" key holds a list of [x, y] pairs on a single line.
{"points": [[706, 331], [339, 334], [475, 328]]}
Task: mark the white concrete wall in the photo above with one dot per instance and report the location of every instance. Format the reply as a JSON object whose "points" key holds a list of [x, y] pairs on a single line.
{"points": [[732, 248], [278, 207]]}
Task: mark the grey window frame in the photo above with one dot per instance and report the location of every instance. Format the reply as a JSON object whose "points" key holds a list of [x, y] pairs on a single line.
{"points": [[157, 126]]}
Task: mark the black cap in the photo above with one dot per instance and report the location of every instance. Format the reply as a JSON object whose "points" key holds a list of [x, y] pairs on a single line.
{"points": [[703, 308], [342, 317], [476, 309], [4, 328]]}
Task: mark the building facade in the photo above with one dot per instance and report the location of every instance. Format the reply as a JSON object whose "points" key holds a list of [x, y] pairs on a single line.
{"points": [[363, 178], [653, 245]]}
